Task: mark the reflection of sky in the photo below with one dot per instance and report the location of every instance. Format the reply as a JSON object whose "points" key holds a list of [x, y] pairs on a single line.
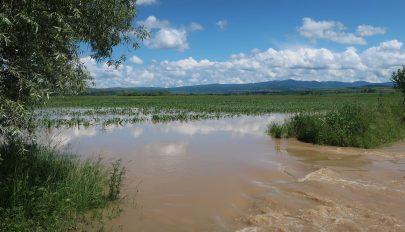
{"points": [[64, 137], [240, 126], [136, 132], [166, 148], [170, 138]]}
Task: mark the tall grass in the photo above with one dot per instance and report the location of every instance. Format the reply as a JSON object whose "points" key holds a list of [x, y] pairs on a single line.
{"points": [[350, 125], [44, 190]]}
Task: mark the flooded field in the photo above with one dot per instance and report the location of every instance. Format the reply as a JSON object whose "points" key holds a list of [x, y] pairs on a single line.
{"points": [[229, 175]]}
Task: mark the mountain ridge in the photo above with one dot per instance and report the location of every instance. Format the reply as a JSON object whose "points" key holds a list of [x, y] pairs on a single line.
{"points": [[267, 86]]}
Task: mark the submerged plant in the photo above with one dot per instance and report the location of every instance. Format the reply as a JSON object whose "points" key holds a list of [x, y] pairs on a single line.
{"points": [[277, 131], [116, 179]]}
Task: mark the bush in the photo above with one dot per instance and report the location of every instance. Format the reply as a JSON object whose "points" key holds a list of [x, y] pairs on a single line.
{"points": [[306, 127], [350, 125], [279, 130], [275, 130], [43, 190]]}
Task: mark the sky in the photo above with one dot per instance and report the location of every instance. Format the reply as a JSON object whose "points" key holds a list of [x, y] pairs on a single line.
{"points": [[224, 41]]}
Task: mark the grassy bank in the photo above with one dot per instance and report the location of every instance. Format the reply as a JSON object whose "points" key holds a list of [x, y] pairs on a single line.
{"points": [[349, 125], [43, 190]]}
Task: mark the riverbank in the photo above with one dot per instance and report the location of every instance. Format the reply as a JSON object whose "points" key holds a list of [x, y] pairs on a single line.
{"points": [[43, 189]]}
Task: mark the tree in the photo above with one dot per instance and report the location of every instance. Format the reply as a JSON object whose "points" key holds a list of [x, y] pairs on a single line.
{"points": [[398, 78], [40, 51]]}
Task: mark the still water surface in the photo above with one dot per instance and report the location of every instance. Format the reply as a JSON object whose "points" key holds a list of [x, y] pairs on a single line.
{"points": [[219, 175]]}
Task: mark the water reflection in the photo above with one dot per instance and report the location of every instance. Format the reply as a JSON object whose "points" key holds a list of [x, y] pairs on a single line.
{"points": [[200, 175], [196, 175], [166, 148], [241, 126], [63, 137]]}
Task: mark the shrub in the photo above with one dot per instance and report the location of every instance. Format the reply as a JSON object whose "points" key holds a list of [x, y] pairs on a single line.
{"points": [[276, 130], [350, 125], [306, 127]]}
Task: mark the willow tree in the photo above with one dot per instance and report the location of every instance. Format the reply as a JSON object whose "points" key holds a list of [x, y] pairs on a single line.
{"points": [[40, 51]]}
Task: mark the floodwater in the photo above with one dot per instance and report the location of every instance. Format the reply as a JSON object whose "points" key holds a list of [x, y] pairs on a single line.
{"points": [[229, 175]]}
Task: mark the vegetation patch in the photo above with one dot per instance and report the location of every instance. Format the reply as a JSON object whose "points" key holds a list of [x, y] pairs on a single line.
{"points": [[118, 110], [44, 190], [351, 125]]}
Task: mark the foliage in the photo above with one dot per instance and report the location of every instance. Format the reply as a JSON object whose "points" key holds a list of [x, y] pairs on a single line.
{"points": [[278, 131], [116, 178], [399, 80], [350, 125], [40, 46], [43, 190]]}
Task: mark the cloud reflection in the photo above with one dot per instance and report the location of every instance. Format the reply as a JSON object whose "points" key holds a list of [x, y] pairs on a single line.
{"points": [[62, 137], [167, 148], [241, 126], [136, 132]]}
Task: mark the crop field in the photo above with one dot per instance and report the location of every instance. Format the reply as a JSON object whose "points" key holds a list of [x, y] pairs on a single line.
{"points": [[241, 104], [105, 110]]}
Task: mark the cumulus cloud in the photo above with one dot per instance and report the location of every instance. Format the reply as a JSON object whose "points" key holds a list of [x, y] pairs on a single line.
{"points": [[146, 2], [222, 24], [165, 36], [136, 60], [367, 30], [169, 38], [328, 30], [385, 57], [373, 64]]}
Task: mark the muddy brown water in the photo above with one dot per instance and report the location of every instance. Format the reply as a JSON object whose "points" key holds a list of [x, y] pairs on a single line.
{"points": [[229, 175]]}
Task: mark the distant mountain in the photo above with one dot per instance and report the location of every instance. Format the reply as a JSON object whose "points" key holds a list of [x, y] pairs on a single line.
{"points": [[268, 86], [275, 86]]}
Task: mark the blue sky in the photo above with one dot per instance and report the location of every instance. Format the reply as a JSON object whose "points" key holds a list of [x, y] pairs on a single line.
{"points": [[218, 41]]}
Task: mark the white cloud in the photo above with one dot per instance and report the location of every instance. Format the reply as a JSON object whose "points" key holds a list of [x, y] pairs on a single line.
{"points": [[136, 60], [195, 27], [385, 57], [367, 30], [222, 24], [390, 45], [146, 2], [373, 64], [328, 30], [152, 22], [169, 38], [165, 36]]}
